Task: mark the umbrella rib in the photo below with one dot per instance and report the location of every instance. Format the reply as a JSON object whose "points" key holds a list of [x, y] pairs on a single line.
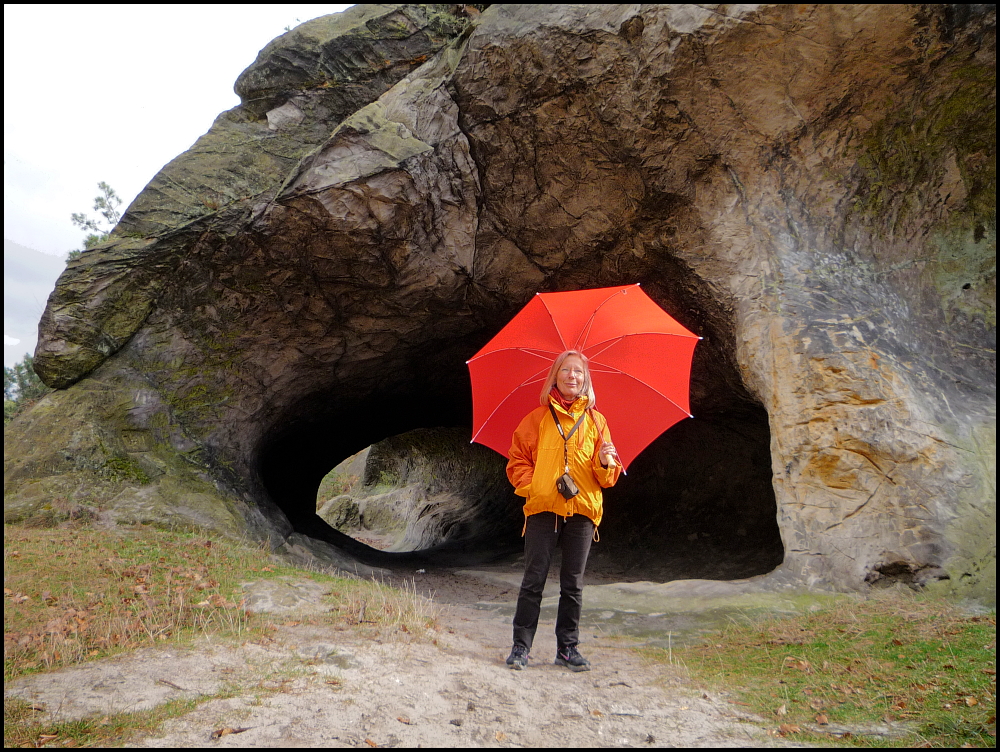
{"points": [[530, 351], [590, 322], [611, 341], [645, 384], [555, 326], [535, 377]]}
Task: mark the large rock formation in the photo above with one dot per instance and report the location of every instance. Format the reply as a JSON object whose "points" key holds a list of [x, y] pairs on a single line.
{"points": [[812, 188]]}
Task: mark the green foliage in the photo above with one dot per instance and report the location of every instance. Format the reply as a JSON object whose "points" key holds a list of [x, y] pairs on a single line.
{"points": [[909, 146], [106, 204], [21, 388], [335, 484]]}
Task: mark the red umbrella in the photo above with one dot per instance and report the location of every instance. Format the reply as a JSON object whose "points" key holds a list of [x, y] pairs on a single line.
{"points": [[640, 362]]}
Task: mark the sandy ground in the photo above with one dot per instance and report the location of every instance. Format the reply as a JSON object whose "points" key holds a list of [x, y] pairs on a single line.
{"points": [[315, 685]]}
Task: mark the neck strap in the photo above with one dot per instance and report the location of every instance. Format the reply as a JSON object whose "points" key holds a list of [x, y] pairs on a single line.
{"points": [[566, 437]]}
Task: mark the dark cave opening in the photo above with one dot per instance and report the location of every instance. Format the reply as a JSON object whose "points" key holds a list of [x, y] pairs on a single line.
{"points": [[697, 504]]}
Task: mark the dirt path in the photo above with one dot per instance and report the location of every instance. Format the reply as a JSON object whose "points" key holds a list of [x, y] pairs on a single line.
{"points": [[314, 685]]}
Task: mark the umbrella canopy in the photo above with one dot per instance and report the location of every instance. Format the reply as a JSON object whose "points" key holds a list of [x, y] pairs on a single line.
{"points": [[640, 363]]}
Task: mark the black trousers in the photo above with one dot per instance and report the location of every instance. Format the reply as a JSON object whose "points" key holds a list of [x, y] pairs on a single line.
{"points": [[543, 532]]}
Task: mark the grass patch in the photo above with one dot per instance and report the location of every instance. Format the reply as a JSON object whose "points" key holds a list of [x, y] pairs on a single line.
{"points": [[22, 729], [895, 669], [387, 609], [75, 593]]}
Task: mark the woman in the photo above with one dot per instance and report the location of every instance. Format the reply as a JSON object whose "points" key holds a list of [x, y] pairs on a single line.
{"points": [[564, 435]]}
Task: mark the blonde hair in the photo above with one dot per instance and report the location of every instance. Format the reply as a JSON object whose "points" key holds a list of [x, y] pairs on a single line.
{"points": [[550, 380]]}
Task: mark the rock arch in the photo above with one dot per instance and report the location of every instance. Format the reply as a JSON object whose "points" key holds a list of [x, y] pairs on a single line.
{"points": [[310, 277]]}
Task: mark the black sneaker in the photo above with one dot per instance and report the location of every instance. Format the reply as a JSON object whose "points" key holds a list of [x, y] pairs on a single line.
{"points": [[518, 658], [571, 659]]}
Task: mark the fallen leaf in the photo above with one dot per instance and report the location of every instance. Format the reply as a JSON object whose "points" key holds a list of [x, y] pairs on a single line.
{"points": [[971, 701], [370, 743], [783, 710], [226, 731], [788, 728], [404, 719], [822, 719], [596, 713], [500, 736], [291, 624], [455, 721]]}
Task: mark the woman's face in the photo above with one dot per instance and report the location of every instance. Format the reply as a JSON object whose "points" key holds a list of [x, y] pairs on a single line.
{"points": [[570, 377]]}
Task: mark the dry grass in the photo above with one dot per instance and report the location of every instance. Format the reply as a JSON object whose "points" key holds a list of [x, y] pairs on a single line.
{"points": [[75, 594], [389, 609]]}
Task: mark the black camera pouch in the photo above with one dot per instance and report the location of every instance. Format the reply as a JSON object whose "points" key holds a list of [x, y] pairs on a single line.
{"points": [[567, 486]]}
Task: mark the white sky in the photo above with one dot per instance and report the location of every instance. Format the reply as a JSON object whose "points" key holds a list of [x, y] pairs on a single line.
{"points": [[112, 93]]}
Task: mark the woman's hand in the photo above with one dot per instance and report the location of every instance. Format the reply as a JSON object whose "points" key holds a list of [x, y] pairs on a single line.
{"points": [[608, 454]]}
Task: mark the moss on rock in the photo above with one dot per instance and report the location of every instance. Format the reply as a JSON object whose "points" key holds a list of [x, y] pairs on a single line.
{"points": [[911, 145]]}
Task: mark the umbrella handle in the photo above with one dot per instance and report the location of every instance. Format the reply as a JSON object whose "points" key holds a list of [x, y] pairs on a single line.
{"points": [[604, 440]]}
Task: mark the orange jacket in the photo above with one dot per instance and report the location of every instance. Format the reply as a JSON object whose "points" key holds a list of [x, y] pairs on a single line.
{"points": [[536, 461]]}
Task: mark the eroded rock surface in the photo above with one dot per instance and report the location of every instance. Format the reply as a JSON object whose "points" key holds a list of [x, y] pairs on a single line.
{"points": [[811, 188], [427, 486]]}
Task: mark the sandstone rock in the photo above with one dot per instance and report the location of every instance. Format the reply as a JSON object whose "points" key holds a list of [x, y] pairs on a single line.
{"points": [[430, 486], [810, 187]]}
